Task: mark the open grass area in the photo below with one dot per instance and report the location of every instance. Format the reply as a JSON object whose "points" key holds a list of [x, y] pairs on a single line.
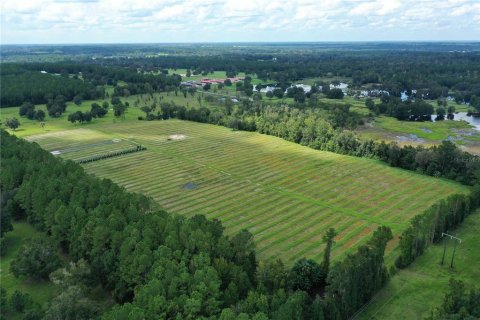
{"points": [[412, 292], [428, 130], [285, 194], [422, 133], [41, 291], [212, 75]]}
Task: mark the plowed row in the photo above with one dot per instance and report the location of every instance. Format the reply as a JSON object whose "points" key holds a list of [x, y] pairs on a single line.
{"points": [[285, 194]]}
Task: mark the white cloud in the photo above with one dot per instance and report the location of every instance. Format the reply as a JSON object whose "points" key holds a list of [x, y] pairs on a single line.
{"points": [[378, 7], [235, 20]]}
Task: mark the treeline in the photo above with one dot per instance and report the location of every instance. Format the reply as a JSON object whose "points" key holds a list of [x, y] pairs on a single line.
{"points": [[432, 74], [38, 88], [26, 82], [427, 227], [410, 110], [111, 154], [160, 265], [322, 126]]}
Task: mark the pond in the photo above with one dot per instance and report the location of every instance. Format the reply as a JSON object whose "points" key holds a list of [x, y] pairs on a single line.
{"points": [[459, 116]]}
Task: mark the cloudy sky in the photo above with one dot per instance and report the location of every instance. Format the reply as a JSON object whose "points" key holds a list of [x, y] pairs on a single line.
{"points": [[107, 21]]}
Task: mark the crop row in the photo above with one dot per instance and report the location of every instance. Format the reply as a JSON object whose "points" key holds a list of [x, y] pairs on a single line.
{"points": [[285, 194]]}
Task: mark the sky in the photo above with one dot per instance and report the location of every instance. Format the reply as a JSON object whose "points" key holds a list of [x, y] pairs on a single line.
{"points": [[157, 21]]}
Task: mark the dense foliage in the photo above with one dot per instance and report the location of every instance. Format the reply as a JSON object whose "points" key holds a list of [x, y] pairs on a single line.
{"points": [[37, 258], [37, 87], [420, 73], [411, 110], [427, 228], [40, 83]]}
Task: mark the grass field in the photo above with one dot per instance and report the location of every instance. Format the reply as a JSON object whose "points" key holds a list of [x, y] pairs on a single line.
{"points": [[41, 291], [412, 292], [285, 194], [429, 133]]}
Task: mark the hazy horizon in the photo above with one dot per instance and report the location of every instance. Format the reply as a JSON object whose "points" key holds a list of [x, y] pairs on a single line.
{"points": [[242, 42]]}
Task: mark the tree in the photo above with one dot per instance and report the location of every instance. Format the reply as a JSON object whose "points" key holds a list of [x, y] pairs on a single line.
{"points": [[370, 104], [278, 93], [76, 116], [77, 100], [207, 86], [12, 123], [189, 73], [329, 241], [239, 86], [442, 102], [475, 103], [71, 304], [269, 94], [257, 96], [295, 308], [57, 106], [119, 110], [75, 274], [116, 100], [227, 82], [450, 112], [3, 299], [98, 111], [40, 115], [440, 113], [19, 301], [25, 108], [335, 94], [6, 222], [306, 275], [458, 303], [37, 258], [87, 116]]}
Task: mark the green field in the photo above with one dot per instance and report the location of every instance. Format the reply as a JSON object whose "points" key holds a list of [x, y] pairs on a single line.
{"points": [[429, 133], [412, 292], [285, 194]]}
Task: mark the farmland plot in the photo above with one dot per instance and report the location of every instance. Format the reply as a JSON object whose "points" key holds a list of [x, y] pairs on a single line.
{"points": [[285, 194]]}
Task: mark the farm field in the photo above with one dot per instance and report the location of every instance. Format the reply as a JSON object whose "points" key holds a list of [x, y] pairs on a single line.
{"points": [[412, 292], [285, 194]]}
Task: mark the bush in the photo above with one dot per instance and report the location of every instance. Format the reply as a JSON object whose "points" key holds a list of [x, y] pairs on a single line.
{"points": [[71, 304], [19, 301], [37, 258]]}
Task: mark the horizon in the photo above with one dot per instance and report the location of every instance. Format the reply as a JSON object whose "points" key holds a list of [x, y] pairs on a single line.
{"points": [[246, 42]]}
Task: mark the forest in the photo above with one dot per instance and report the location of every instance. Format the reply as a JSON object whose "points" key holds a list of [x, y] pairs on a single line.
{"points": [[39, 83], [431, 74]]}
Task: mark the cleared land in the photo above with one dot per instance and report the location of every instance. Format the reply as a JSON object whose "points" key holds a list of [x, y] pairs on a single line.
{"points": [[285, 194], [412, 292]]}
